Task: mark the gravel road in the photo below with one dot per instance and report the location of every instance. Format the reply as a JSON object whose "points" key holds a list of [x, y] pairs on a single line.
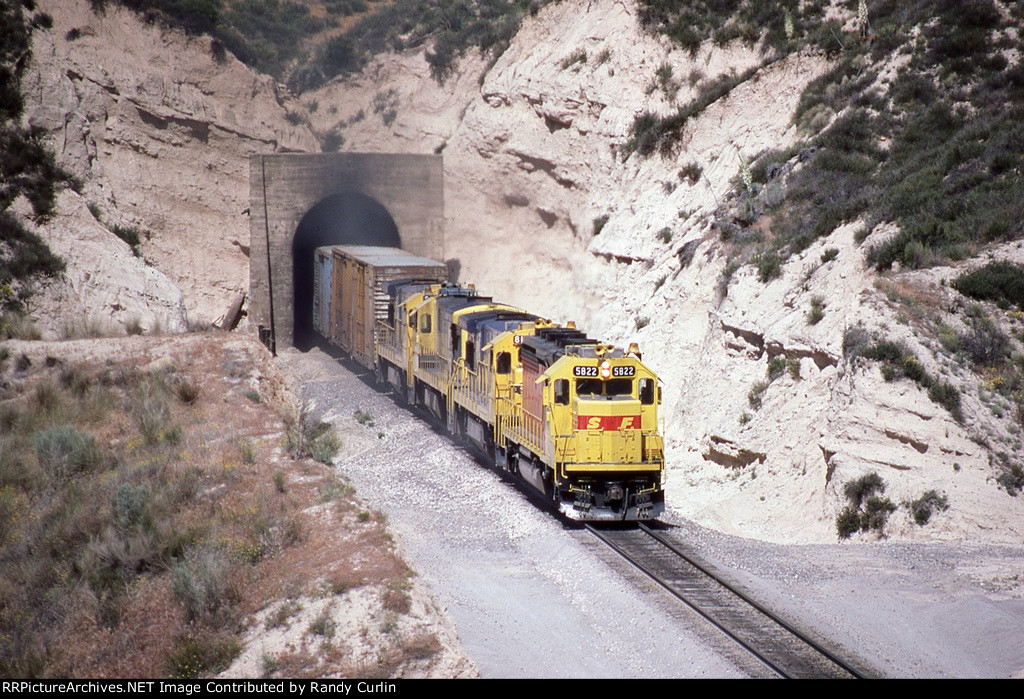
{"points": [[532, 597]]}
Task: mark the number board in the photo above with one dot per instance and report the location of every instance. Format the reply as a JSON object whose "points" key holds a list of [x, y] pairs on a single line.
{"points": [[593, 371]]}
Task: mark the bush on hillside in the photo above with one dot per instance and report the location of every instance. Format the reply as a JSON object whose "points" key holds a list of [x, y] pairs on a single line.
{"points": [[999, 282]]}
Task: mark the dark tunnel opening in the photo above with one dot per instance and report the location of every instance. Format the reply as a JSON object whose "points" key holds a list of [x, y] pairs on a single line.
{"points": [[340, 219]]}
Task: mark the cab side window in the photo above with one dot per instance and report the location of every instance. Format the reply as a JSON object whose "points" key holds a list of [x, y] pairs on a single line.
{"points": [[504, 364], [456, 342], [561, 392], [425, 323], [647, 391]]}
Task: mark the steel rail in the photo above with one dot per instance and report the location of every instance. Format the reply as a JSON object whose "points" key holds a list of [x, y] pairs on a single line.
{"points": [[717, 613], [675, 593], [756, 605]]}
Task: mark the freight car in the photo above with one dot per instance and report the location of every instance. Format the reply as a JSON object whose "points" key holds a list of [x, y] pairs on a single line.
{"points": [[575, 418]]}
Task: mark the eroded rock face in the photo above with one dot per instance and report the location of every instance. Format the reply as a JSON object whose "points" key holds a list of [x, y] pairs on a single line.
{"points": [[159, 133], [106, 289], [533, 162]]}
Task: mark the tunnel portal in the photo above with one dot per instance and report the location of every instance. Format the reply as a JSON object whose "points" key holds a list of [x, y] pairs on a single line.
{"points": [[301, 201]]}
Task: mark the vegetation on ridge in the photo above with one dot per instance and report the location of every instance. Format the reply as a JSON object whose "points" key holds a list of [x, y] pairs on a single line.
{"points": [[938, 148], [265, 34], [152, 511], [282, 37]]}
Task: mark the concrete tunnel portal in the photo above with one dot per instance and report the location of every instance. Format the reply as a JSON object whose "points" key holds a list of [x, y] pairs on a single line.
{"points": [[299, 202]]}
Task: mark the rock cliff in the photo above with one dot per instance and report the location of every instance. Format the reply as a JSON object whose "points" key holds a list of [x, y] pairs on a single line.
{"points": [[159, 131]]}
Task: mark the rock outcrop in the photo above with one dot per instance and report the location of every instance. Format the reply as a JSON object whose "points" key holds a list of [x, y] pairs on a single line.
{"points": [[159, 132]]}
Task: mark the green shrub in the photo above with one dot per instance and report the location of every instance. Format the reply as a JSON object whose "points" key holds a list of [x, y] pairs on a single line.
{"points": [[829, 255], [130, 506], [776, 366], [817, 310], [999, 282], [984, 342], [202, 583], [248, 453], [187, 390], [130, 235], [1011, 478], [691, 171], [793, 365], [323, 625], [201, 655], [856, 340], [18, 326], [133, 326], [756, 394], [325, 447], [332, 141], [922, 508], [76, 381], [859, 490], [848, 522], [599, 223], [63, 451], [577, 56], [769, 265], [311, 438], [867, 509], [152, 410], [876, 513]]}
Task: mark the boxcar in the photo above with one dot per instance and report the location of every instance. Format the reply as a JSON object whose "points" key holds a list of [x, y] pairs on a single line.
{"points": [[350, 294]]}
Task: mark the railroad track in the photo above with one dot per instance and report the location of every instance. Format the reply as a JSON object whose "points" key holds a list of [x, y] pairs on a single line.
{"points": [[781, 648]]}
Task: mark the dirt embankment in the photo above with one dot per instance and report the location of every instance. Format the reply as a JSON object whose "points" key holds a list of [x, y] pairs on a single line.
{"points": [[164, 515]]}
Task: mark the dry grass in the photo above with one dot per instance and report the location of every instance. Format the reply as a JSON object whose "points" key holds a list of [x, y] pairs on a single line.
{"points": [[137, 536]]}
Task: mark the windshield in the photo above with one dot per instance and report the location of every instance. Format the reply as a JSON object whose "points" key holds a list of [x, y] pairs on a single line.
{"points": [[597, 387]]}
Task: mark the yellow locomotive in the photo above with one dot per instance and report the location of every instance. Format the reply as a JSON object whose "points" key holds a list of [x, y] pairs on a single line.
{"points": [[575, 418]]}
